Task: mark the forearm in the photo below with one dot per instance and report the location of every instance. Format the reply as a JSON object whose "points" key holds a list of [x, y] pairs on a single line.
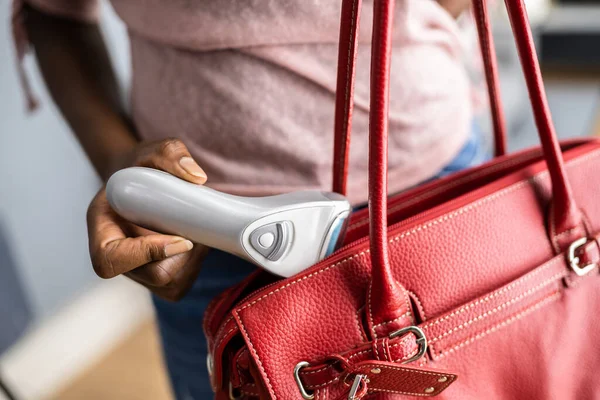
{"points": [[76, 67]]}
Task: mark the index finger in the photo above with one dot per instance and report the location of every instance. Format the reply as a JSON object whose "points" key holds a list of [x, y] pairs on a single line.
{"points": [[113, 253]]}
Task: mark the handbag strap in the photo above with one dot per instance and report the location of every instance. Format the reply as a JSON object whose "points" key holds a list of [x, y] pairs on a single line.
{"points": [[344, 101], [565, 214], [344, 104], [490, 64], [389, 303]]}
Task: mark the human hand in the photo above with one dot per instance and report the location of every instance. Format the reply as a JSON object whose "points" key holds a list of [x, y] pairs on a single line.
{"points": [[167, 265]]}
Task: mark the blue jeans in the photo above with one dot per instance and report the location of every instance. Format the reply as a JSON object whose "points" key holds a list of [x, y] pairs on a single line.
{"points": [[180, 323]]}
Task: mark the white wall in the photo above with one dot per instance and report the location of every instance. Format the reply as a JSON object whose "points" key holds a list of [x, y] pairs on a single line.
{"points": [[46, 182]]}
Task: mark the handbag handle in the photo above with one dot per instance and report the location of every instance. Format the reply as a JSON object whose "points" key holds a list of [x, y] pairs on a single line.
{"points": [[565, 216], [347, 53]]}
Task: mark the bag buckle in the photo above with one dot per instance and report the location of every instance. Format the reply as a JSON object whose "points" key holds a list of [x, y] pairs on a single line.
{"points": [[421, 341], [575, 262], [359, 384], [305, 395]]}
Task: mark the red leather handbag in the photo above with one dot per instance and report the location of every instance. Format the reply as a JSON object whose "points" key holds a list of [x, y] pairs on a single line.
{"points": [[481, 285]]}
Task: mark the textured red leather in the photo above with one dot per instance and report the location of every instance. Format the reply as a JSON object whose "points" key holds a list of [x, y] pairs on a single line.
{"points": [[350, 22], [484, 29], [392, 378], [481, 258]]}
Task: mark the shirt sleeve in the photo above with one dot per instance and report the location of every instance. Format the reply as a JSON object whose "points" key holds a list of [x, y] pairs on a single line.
{"points": [[78, 10]]}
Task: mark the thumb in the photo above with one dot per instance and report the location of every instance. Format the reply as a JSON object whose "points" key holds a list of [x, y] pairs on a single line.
{"points": [[172, 156]]}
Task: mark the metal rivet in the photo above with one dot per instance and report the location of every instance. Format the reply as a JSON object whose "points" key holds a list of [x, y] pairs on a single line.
{"points": [[443, 379], [429, 390], [376, 370]]}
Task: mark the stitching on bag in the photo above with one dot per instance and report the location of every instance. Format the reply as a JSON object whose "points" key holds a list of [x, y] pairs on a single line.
{"points": [[356, 355], [495, 294], [419, 305], [407, 300], [345, 260], [545, 301], [442, 387], [450, 186], [489, 312], [323, 384], [359, 353], [505, 191], [375, 350], [360, 325], [258, 361], [423, 227], [406, 357], [223, 325], [398, 392], [494, 310], [317, 370], [225, 336], [212, 315], [372, 327], [406, 314], [386, 355], [556, 236], [248, 393], [416, 371], [566, 232]]}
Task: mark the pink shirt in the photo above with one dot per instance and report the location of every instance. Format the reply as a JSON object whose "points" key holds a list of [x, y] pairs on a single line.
{"points": [[249, 87]]}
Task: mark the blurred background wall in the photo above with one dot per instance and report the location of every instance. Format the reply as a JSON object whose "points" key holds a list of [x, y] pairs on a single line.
{"points": [[75, 320], [46, 183], [45, 180]]}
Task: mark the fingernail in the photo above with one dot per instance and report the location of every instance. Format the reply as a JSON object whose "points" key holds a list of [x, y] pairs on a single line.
{"points": [[178, 248], [191, 167]]}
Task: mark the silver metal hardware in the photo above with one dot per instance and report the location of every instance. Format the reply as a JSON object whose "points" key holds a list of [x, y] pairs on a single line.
{"points": [[429, 390], [232, 395], [210, 365], [442, 379], [421, 340], [355, 386], [303, 392], [376, 371], [575, 262]]}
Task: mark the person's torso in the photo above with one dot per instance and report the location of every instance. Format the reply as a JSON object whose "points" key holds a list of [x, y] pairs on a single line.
{"points": [[249, 86]]}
